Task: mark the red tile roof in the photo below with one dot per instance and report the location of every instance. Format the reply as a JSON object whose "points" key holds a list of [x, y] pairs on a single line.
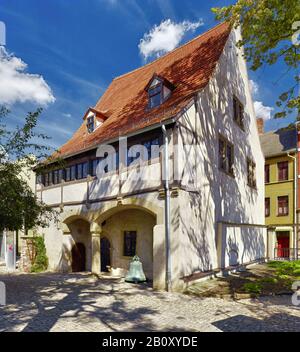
{"points": [[188, 68]]}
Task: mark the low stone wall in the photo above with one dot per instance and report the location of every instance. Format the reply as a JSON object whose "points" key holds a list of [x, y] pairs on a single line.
{"points": [[27, 254]]}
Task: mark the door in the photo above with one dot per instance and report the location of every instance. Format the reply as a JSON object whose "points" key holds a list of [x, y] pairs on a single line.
{"points": [[105, 254], [78, 257], [283, 245]]}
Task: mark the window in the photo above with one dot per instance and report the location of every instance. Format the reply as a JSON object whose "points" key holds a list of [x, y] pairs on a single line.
{"points": [[267, 173], [39, 179], [46, 180], [129, 243], [148, 145], [95, 163], [90, 124], [60, 176], [73, 173], [50, 178], [82, 170], [155, 96], [238, 112], [68, 174], [55, 177], [283, 206], [267, 207], [283, 171], [226, 156], [251, 173]]}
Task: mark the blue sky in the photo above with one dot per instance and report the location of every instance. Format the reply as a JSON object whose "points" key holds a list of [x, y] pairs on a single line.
{"points": [[79, 46]]}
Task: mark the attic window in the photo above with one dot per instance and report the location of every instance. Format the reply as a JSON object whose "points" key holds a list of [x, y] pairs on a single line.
{"points": [[155, 96], [90, 124], [159, 90]]}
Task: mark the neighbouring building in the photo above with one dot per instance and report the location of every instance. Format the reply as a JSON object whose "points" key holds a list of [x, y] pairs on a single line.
{"points": [[197, 98], [281, 188]]}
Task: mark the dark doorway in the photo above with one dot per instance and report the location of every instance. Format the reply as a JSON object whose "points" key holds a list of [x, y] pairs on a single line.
{"points": [[283, 244], [105, 254], [78, 257]]}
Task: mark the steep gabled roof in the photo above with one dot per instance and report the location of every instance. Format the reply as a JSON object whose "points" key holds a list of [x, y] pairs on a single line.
{"points": [[279, 142], [188, 67]]}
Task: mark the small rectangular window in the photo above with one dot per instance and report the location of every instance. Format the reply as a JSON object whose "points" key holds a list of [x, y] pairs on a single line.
{"points": [[55, 177], [39, 179], [155, 96], [283, 171], [267, 207], [95, 163], [73, 172], [251, 173], [267, 173], [90, 124], [50, 178], [226, 156], [60, 176], [129, 243], [238, 112], [85, 169], [68, 174], [79, 171], [283, 206], [46, 180]]}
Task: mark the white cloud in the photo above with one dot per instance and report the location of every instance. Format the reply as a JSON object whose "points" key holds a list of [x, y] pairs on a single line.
{"points": [[262, 110], [65, 114], [16, 85], [165, 37], [254, 88]]}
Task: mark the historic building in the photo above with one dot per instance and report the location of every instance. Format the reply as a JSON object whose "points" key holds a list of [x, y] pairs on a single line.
{"points": [[207, 213], [281, 188]]}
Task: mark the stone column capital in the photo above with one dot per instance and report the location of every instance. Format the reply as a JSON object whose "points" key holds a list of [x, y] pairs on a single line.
{"points": [[95, 229]]}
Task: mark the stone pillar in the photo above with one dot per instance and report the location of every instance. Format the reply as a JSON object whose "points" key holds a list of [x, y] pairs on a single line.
{"points": [[96, 246]]}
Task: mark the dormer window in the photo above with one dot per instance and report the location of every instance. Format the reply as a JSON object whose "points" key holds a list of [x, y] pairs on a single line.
{"points": [[90, 123], [155, 96], [159, 90]]}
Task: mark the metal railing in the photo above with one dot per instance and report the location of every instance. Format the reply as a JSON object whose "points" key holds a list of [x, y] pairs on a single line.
{"points": [[286, 254]]}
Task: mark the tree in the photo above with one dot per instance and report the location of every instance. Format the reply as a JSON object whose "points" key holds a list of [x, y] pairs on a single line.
{"points": [[19, 207], [269, 34]]}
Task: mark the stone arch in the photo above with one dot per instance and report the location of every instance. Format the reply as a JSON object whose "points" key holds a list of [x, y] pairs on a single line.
{"points": [[109, 209], [76, 230]]}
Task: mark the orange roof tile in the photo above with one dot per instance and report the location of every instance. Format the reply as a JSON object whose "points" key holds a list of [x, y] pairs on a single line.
{"points": [[188, 68]]}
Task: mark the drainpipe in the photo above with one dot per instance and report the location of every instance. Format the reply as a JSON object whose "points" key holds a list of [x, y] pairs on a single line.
{"points": [[167, 209], [295, 244]]}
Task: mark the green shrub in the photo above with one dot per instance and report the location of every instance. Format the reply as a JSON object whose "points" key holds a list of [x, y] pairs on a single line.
{"points": [[283, 269], [41, 260], [269, 280], [252, 287]]}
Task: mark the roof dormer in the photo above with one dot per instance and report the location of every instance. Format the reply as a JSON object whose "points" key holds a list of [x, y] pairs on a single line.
{"points": [[94, 119], [159, 90]]}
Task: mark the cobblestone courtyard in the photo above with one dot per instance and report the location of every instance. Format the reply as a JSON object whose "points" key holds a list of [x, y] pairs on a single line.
{"points": [[79, 302]]}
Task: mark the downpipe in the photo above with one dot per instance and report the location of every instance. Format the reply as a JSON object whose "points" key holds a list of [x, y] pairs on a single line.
{"points": [[167, 209]]}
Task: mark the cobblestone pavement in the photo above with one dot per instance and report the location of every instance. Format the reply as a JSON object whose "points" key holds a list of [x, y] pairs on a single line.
{"points": [[79, 302]]}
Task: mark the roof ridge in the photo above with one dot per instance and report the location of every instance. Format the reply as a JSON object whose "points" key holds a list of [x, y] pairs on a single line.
{"points": [[169, 53]]}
